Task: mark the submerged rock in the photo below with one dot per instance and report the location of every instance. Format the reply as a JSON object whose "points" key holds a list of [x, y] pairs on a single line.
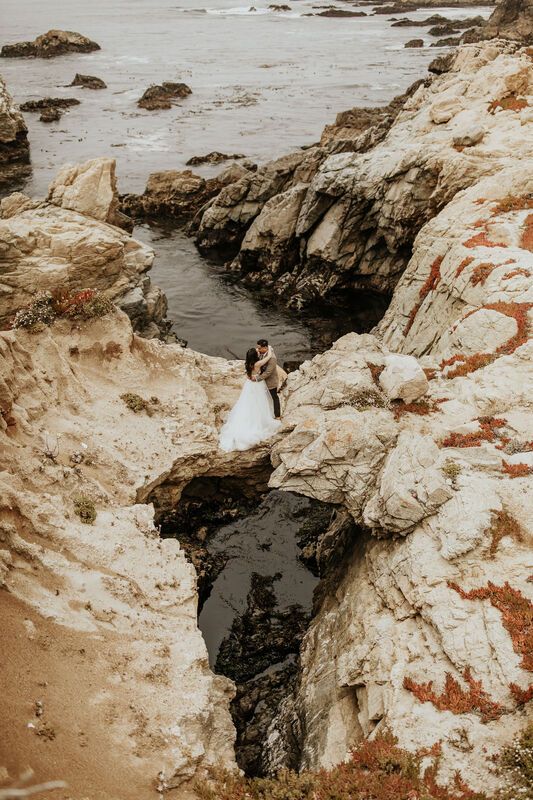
{"points": [[14, 145], [50, 44], [51, 108], [339, 12], [88, 82], [414, 43], [215, 157], [163, 96]]}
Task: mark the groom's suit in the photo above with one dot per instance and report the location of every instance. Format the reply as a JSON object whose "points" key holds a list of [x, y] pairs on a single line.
{"points": [[269, 374]]}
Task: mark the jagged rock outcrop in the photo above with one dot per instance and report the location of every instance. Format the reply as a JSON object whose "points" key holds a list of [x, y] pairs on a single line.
{"points": [[313, 224], [427, 631], [91, 190], [88, 82], [100, 619], [50, 44], [511, 19], [178, 194], [70, 241], [14, 145]]}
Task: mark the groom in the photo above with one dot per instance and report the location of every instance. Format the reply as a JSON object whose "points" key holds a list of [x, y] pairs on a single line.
{"points": [[269, 374]]}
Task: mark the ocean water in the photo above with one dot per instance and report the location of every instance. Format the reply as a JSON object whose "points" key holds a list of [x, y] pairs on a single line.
{"points": [[263, 82]]}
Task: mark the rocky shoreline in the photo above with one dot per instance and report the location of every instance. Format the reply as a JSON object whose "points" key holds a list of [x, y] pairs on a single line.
{"points": [[418, 434]]}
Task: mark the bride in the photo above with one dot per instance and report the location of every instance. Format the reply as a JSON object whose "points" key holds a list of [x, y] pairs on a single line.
{"points": [[251, 420]]}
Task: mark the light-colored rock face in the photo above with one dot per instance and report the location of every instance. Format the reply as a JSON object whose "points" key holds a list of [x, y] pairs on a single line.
{"points": [[14, 147], [89, 188], [100, 620], [362, 209], [66, 241], [442, 488]]}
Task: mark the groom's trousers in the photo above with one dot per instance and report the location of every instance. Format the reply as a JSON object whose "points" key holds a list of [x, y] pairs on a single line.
{"points": [[275, 398]]}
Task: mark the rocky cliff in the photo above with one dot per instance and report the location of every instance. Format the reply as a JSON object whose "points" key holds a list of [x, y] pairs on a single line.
{"points": [[314, 224], [421, 432], [107, 684], [428, 629], [14, 145]]}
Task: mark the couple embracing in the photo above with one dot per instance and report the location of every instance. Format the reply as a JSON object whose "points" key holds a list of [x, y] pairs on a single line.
{"points": [[255, 415]]}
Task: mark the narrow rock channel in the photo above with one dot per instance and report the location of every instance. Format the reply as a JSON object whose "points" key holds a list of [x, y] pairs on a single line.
{"points": [[258, 556]]}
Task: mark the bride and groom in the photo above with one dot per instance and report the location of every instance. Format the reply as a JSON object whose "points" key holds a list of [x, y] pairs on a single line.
{"points": [[255, 415]]}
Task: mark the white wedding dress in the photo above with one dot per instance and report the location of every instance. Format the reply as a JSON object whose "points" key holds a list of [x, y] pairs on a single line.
{"points": [[251, 420]]}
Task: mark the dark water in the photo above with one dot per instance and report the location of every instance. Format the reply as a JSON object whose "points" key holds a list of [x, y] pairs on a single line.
{"points": [[264, 543], [263, 82], [221, 318]]}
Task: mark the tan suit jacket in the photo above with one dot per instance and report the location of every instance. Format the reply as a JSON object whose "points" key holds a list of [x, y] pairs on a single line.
{"points": [[270, 373]]}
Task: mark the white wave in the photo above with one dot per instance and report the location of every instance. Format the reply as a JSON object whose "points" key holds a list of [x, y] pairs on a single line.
{"points": [[155, 141]]}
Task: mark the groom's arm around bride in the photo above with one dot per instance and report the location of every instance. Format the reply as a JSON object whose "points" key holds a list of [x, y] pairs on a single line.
{"points": [[269, 374]]}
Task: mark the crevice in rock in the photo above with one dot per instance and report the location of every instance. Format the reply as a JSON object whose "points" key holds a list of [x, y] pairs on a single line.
{"points": [[264, 560]]}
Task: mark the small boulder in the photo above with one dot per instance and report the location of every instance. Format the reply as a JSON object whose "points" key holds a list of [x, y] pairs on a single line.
{"points": [[469, 137], [414, 43], [50, 114], [445, 109], [161, 96], [88, 82], [403, 378]]}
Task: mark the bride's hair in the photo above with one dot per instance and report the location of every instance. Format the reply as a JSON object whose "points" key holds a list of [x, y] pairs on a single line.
{"points": [[251, 359]]}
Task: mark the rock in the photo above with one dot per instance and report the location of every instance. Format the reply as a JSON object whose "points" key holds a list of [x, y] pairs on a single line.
{"points": [[442, 111], [88, 82], [178, 194], [433, 483], [414, 43], [50, 114], [340, 12], [469, 137], [51, 108], [70, 241], [403, 379], [448, 41], [443, 30], [50, 44], [438, 20], [14, 145], [282, 7], [441, 64], [90, 189], [435, 19], [511, 19], [214, 157], [162, 96]]}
